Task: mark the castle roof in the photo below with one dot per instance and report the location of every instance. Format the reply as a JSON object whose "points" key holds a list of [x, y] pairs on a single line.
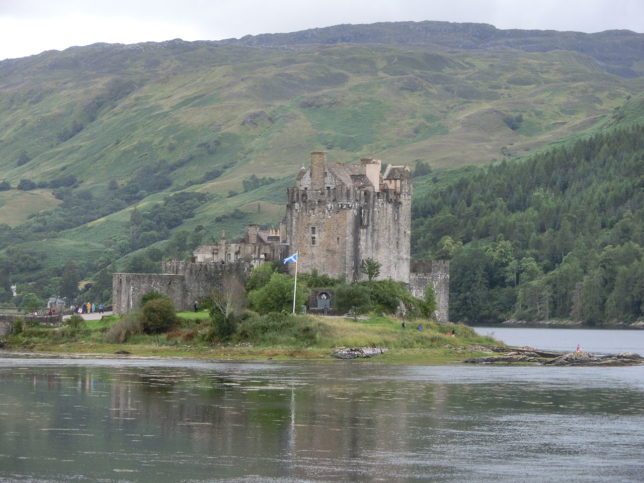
{"points": [[396, 172], [342, 172], [350, 175]]}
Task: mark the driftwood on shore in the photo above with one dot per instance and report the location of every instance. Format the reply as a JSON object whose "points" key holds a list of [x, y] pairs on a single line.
{"points": [[513, 355]]}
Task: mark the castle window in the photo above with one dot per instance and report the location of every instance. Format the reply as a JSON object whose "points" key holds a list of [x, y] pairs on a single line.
{"points": [[313, 235]]}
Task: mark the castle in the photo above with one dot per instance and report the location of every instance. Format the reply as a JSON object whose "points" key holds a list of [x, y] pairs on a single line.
{"points": [[337, 215]]}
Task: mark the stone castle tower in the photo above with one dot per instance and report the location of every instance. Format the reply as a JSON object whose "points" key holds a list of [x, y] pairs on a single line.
{"points": [[338, 215]]}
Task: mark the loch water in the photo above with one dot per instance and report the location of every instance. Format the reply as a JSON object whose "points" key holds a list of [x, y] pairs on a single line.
{"points": [[186, 420]]}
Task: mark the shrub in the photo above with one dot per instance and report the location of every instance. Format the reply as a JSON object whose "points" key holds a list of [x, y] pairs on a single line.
{"points": [[76, 321], [278, 329], [151, 296], [18, 325], [125, 328], [352, 298], [223, 326], [429, 305], [388, 295], [318, 280], [158, 315]]}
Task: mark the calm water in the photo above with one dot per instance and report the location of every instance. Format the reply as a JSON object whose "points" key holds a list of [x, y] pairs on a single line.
{"points": [[148, 420], [592, 340]]}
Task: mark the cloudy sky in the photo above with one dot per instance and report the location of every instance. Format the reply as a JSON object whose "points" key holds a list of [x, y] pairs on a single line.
{"points": [[31, 26]]}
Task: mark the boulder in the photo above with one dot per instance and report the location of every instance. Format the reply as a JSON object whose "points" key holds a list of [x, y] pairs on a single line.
{"points": [[358, 352]]}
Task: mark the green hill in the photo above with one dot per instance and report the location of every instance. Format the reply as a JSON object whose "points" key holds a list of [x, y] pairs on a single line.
{"points": [[559, 235], [91, 132]]}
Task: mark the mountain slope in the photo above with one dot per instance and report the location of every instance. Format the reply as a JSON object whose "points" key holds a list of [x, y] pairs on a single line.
{"points": [[105, 128]]}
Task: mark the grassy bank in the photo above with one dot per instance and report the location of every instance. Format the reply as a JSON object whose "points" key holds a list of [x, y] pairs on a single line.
{"points": [[276, 336]]}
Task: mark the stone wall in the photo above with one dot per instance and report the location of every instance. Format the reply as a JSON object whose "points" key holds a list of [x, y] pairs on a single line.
{"points": [[334, 230], [183, 282], [129, 288], [6, 327], [201, 278], [327, 245], [385, 233], [435, 272]]}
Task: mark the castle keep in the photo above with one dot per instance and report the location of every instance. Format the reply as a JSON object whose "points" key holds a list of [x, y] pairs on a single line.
{"points": [[337, 215]]}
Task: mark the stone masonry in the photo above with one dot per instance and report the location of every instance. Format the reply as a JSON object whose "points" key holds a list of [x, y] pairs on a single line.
{"points": [[337, 215], [436, 273]]}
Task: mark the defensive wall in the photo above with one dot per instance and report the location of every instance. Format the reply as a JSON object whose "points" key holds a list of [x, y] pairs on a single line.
{"points": [[436, 272], [7, 321], [182, 282], [129, 288]]}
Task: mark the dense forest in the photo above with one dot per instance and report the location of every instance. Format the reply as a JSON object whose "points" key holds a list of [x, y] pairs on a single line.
{"points": [[557, 236]]}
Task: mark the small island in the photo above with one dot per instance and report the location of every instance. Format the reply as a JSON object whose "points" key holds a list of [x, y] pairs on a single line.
{"points": [[274, 335]]}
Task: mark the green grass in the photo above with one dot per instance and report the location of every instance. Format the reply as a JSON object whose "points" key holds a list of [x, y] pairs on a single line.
{"points": [[16, 206], [194, 316], [275, 337]]}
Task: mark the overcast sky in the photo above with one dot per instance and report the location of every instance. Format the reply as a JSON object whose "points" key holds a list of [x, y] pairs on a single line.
{"points": [[31, 26]]}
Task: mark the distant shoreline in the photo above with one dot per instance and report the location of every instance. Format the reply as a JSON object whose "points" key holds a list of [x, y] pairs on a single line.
{"points": [[560, 324]]}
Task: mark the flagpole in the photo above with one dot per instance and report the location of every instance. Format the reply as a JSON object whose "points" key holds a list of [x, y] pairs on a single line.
{"points": [[295, 284]]}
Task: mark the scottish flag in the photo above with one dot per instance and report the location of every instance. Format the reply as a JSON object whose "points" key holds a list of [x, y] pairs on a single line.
{"points": [[292, 258]]}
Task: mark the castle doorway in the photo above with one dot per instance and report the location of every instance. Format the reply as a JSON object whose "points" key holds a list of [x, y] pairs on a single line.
{"points": [[324, 301]]}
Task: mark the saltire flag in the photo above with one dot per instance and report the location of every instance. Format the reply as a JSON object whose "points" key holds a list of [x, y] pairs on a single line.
{"points": [[292, 258]]}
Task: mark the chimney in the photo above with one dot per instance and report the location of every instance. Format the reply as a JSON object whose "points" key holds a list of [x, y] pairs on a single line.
{"points": [[318, 168], [372, 171], [253, 230]]}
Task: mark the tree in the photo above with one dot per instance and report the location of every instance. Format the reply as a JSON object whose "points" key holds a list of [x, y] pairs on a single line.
{"points": [[31, 302], [101, 290], [141, 263], [421, 168], [26, 185], [277, 295], [69, 281], [592, 298], [370, 267], [260, 276], [228, 303], [626, 302]]}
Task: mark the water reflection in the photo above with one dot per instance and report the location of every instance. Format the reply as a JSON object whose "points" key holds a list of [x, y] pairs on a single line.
{"points": [[116, 421]]}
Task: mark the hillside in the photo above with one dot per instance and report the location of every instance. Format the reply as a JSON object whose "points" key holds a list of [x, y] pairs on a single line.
{"points": [[94, 131], [560, 235]]}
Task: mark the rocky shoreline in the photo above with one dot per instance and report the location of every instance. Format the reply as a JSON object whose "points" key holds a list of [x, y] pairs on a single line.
{"points": [[529, 355]]}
